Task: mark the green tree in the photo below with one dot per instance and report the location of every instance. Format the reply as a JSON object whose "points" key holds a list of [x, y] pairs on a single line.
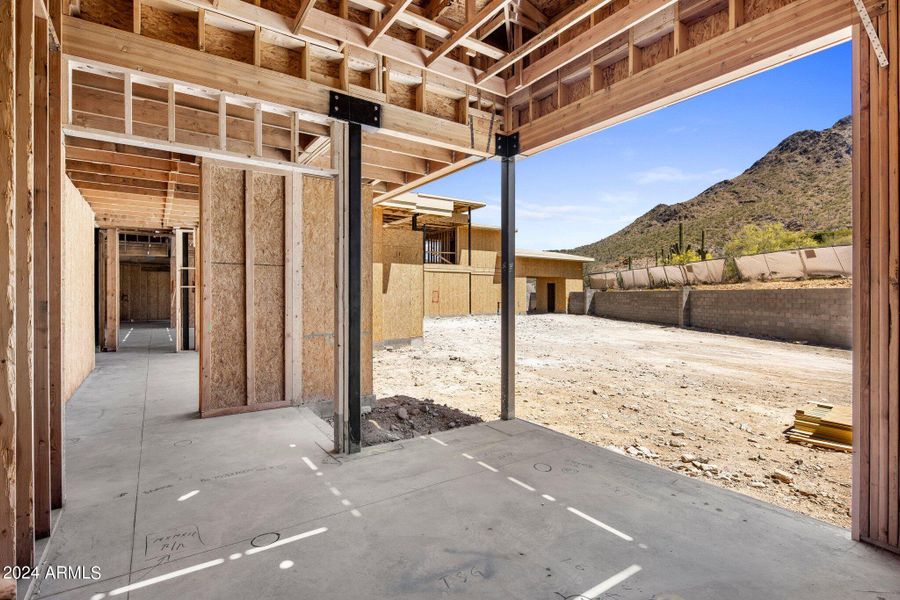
{"points": [[771, 237], [687, 256]]}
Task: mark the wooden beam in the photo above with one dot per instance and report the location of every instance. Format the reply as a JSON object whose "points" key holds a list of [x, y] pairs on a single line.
{"points": [[306, 7], [42, 495], [24, 288], [152, 57], [560, 25], [387, 20], [249, 279], [790, 32], [170, 113], [223, 116], [110, 292], [129, 105], [7, 284], [483, 16], [59, 77], [608, 29]]}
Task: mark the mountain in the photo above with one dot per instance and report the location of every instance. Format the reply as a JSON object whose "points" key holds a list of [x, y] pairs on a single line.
{"points": [[804, 183]]}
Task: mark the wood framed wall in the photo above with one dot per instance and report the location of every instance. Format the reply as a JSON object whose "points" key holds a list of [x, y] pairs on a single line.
{"points": [[876, 297], [26, 461], [251, 302]]}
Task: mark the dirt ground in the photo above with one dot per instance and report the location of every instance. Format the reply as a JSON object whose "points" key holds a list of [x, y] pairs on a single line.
{"points": [[702, 404], [395, 418]]}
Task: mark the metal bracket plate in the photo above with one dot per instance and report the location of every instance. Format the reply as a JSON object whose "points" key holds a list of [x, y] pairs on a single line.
{"points": [[873, 35], [506, 146], [354, 110]]}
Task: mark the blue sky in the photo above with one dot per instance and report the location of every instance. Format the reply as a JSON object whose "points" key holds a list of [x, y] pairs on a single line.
{"points": [[587, 189]]}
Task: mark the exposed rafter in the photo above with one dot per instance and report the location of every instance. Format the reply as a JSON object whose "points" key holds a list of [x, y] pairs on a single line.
{"points": [[387, 20], [306, 7], [554, 29], [483, 16]]}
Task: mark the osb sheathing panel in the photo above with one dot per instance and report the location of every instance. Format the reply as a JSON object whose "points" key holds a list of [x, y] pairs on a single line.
{"points": [[225, 329], [282, 7], [441, 106], [542, 267], [377, 260], [402, 94], [268, 219], [113, 13], [607, 76], [446, 294], [754, 9], [268, 336], [707, 28], [401, 284], [485, 247], [283, 60], [229, 44], [658, 51], [225, 238], [365, 359], [77, 290], [318, 288], [318, 291], [486, 294], [169, 27]]}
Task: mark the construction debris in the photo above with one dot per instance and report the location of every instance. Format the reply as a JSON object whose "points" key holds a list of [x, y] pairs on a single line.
{"points": [[824, 426]]}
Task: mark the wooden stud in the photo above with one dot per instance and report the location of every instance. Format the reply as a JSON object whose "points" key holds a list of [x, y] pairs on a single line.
{"points": [[296, 290], [7, 283], [257, 129], [201, 29], [129, 105], [171, 112], [59, 112], [634, 55], [680, 32], [257, 46], [110, 296], [304, 62], [136, 16], [344, 72], [42, 497], [24, 288], [223, 115], [295, 142], [421, 93], [248, 284], [339, 140], [735, 13]]}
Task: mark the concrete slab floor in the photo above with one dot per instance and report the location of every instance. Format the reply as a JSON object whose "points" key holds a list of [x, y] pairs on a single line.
{"points": [[170, 506]]}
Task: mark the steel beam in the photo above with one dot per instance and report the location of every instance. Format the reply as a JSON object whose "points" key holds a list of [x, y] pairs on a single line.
{"points": [[507, 148]]}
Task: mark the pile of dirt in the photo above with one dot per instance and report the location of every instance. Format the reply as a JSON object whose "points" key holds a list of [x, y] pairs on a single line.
{"points": [[402, 417]]}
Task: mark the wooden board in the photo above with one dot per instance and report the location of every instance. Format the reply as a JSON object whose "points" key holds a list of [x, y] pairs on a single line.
{"points": [[318, 289], [77, 294], [876, 305], [7, 285], [145, 292], [401, 284]]}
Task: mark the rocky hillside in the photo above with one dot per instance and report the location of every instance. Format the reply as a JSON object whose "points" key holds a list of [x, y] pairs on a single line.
{"points": [[804, 183]]}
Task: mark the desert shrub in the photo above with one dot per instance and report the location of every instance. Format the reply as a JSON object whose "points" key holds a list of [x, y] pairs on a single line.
{"points": [[772, 237], [688, 256]]}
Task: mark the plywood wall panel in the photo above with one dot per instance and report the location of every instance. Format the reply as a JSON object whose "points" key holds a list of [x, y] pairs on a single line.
{"points": [[401, 284], [225, 212], [77, 290], [225, 330], [268, 341], [318, 288], [145, 292], [268, 219]]}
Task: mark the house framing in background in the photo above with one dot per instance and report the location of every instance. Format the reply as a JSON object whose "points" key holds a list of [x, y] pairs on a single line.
{"points": [[260, 134], [432, 261]]}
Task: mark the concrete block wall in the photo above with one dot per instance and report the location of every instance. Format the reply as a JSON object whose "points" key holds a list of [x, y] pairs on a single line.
{"points": [[814, 315], [652, 306]]}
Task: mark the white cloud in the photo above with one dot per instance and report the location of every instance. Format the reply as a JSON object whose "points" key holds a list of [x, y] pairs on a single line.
{"points": [[675, 175]]}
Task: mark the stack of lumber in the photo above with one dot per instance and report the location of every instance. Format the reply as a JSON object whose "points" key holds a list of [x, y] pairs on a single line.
{"points": [[823, 425]]}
